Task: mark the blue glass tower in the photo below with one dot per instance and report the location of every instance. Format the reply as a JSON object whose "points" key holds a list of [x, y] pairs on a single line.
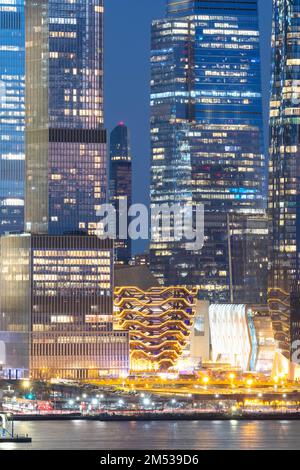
{"points": [[12, 115], [207, 140]]}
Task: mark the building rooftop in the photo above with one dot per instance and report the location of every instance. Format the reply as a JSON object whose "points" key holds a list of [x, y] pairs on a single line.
{"points": [[137, 276]]}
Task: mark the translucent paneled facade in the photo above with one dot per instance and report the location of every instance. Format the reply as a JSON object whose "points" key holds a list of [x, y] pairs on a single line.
{"points": [[230, 336], [242, 336], [65, 140], [206, 130], [12, 115]]}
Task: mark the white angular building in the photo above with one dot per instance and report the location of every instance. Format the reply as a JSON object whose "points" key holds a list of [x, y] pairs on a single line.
{"points": [[242, 336]]}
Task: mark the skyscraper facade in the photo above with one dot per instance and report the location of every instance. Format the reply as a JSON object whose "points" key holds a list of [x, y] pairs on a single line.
{"points": [[120, 187], [56, 308], [284, 185], [65, 139], [206, 131], [12, 115]]}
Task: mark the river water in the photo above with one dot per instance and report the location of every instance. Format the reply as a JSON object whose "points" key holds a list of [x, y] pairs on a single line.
{"points": [[159, 435]]}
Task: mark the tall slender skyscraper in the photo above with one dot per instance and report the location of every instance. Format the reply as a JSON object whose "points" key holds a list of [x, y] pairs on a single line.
{"points": [[12, 115], [284, 180], [120, 187], [207, 133], [65, 139]]}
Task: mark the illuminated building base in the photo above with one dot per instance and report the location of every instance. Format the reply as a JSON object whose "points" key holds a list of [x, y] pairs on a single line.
{"points": [[279, 306], [285, 369]]}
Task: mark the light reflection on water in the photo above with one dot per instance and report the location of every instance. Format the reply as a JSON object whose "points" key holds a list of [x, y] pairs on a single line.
{"points": [[159, 435]]}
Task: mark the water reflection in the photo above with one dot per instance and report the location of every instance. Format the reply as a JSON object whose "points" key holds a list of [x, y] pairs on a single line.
{"points": [[159, 435]]}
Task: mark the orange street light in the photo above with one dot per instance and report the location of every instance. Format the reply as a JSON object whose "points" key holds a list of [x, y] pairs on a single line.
{"points": [[249, 382]]}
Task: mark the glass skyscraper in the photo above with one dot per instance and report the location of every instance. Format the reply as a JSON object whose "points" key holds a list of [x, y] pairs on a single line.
{"points": [[284, 183], [12, 115], [65, 139], [207, 134], [120, 186], [284, 186]]}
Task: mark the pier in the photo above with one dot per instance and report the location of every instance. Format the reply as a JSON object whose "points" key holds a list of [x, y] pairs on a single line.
{"points": [[7, 433]]}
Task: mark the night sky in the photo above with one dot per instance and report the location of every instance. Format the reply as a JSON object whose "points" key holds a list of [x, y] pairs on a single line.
{"points": [[127, 52]]}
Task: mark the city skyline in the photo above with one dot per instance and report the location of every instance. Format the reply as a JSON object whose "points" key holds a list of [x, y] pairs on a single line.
{"points": [[137, 78], [207, 138], [205, 326]]}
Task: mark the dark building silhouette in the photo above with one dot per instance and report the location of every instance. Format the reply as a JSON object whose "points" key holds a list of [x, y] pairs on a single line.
{"points": [[120, 188]]}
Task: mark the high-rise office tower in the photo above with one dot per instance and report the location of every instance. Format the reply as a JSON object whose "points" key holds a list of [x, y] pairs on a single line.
{"points": [[57, 280], [207, 133], [248, 258], [65, 139], [120, 188], [284, 183], [12, 115]]}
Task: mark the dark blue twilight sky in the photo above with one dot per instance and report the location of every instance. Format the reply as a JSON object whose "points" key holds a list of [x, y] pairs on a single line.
{"points": [[127, 51]]}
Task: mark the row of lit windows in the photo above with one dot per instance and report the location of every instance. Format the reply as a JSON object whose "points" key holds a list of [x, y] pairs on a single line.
{"points": [[71, 254]]}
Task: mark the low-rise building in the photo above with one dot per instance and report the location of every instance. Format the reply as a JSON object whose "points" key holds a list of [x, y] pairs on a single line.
{"points": [[56, 312], [242, 335]]}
